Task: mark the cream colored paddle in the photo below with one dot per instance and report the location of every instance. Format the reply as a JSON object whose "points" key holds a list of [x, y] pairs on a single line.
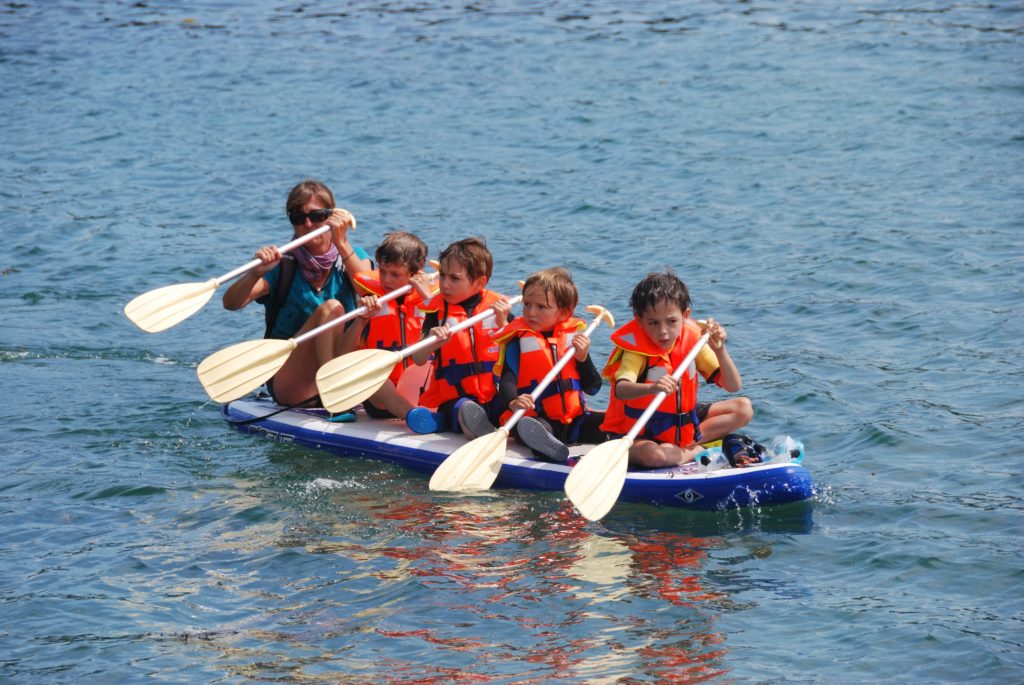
{"points": [[475, 465], [162, 308], [233, 371], [595, 482], [351, 378]]}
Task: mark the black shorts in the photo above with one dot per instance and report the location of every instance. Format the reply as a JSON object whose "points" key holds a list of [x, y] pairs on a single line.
{"points": [[376, 412]]}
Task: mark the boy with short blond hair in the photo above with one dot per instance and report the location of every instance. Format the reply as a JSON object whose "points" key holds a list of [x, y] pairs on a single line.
{"points": [[530, 347]]}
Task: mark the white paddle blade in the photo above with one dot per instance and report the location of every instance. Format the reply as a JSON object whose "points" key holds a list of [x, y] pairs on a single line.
{"points": [[351, 378], [164, 307], [474, 466], [595, 482], [234, 371]]}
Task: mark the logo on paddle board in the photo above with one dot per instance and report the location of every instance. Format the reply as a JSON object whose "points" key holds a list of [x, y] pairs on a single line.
{"points": [[689, 495], [273, 435]]}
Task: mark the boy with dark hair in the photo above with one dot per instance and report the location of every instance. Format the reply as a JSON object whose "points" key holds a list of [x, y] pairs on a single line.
{"points": [[647, 351]]}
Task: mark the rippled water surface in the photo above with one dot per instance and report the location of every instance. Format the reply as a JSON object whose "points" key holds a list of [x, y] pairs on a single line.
{"points": [[839, 183]]}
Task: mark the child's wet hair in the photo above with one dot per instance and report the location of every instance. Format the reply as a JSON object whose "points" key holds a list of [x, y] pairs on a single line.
{"points": [[400, 247], [472, 255], [659, 287], [557, 281]]}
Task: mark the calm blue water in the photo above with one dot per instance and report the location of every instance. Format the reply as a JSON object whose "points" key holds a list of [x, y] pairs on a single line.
{"points": [[840, 184]]}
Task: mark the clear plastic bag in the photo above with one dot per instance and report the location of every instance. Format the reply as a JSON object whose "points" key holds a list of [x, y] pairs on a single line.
{"points": [[784, 448]]}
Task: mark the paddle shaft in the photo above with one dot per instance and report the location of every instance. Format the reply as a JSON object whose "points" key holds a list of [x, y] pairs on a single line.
{"points": [[551, 375], [462, 325], [348, 316], [656, 402], [287, 247]]}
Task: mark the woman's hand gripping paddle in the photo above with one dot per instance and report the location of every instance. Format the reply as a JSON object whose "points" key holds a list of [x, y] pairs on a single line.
{"points": [[162, 308], [595, 482], [475, 465], [232, 372], [351, 378]]}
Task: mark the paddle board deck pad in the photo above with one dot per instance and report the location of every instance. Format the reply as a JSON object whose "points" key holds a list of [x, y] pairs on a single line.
{"points": [[389, 440]]}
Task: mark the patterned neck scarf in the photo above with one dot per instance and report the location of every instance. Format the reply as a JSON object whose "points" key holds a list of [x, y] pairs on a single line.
{"points": [[315, 266]]}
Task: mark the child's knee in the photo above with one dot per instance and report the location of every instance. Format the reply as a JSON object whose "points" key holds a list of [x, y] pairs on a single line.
{"points": [[744, 410], [651, 456]]}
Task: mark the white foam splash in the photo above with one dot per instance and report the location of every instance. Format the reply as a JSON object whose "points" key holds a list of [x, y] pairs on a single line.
{"points": [[320, 484]]}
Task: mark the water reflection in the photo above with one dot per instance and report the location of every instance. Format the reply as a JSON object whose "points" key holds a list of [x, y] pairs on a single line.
{"points": [[428, 588], [353, 570], [308, 567]]}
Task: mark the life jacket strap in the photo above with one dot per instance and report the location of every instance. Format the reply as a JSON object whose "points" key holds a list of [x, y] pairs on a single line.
{"points": [[454, 373], [662, 421], [279, 293], [556, 387]]}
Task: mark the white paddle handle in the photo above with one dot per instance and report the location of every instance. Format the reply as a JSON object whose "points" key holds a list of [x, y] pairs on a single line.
{"points": [[462, 325], [386, 297], [348, 316], [656, 402], [552, 374], [287, 247]]}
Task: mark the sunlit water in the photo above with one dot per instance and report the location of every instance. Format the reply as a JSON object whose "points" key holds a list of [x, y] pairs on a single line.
{"points": [[840, 184]]}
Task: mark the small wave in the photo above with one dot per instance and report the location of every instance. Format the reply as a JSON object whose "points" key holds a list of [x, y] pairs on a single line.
{"points": [[321, 484], [124, 491]]}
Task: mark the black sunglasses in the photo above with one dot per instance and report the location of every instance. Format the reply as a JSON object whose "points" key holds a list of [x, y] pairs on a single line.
{"points": [[316, 216]]}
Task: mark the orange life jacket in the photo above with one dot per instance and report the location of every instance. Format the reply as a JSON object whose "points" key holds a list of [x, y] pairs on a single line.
{"points": [[675, 420], [396, 326], [463, 367], [562, 400]]}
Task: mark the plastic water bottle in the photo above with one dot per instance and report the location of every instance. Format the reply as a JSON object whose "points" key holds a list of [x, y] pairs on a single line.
{"points": [[784, 449], [711, 459]]}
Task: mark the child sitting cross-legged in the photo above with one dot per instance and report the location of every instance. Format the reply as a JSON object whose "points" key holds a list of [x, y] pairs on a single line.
{"points": [[648, 350]]}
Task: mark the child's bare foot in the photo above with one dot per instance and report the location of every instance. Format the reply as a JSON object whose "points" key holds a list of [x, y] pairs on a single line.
{"points": [[689, 453]]}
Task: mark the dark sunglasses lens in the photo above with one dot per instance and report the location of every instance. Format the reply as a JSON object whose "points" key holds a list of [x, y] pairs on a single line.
{"points": [[316, 216]]}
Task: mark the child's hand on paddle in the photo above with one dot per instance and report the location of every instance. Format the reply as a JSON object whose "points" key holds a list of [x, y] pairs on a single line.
{"points": [[501, 310], [442, 333], [581, 343], [718, 334], [371, 304], [422, 282], [665, 384], [524, 402]]}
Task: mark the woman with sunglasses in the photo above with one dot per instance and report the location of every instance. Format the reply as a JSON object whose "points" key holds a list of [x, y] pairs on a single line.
{"points": [[320, 289]]}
